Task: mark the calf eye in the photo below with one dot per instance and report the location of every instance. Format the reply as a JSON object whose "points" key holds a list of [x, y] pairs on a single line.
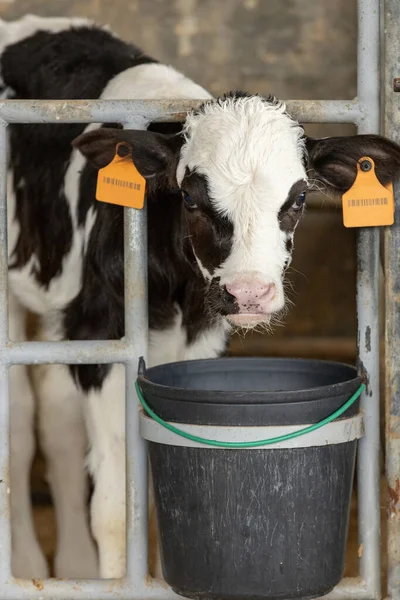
{"points": [[190, 204], [299, 202]]}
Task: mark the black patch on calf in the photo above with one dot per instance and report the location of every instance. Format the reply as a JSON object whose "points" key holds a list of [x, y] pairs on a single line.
{"points": [[210, 233], [41, 208], [153, 154], [289, 245], [97, 312], [289, 215], [71, 64], [198, 309], [219, 300], [334, 160], [174, 278]]}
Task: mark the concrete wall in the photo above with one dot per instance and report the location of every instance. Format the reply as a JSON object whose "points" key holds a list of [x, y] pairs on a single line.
{"points": [[292, 48]]}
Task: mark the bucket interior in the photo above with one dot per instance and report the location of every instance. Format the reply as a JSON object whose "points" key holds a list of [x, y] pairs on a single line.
{"points": [[249, 391], [251, 374]]}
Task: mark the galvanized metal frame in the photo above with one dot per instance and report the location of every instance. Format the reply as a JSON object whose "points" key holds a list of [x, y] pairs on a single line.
{"points": [[364, 112], [391, 128]]}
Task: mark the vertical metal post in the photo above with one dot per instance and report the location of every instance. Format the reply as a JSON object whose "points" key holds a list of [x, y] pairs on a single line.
{"points": [[5, 529], [136, 333], [392, 293], [368, 314]]}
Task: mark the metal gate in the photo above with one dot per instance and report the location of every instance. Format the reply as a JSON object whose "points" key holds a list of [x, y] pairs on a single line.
{"points": [[364, 111]]}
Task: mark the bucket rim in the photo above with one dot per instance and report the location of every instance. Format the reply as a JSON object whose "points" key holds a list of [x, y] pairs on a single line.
{"points": [[339, 431], [291, 396]]}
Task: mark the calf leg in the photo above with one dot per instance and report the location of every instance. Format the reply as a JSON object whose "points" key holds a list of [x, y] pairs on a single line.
{"points": [[27, 558], [105, 414], [64, 443]]}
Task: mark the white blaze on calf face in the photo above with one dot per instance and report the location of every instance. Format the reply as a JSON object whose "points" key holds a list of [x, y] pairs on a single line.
{"points": [[251, 153]]}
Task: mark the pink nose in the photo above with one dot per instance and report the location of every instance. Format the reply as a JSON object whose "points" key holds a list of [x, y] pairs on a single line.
{"points": [[251, 294]]}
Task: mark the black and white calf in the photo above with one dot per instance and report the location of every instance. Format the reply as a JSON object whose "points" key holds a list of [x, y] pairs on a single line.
{"points": [[225, 192]]}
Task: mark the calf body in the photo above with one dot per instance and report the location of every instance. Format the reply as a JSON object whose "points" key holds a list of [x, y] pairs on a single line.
{"points": [[225, 192]]}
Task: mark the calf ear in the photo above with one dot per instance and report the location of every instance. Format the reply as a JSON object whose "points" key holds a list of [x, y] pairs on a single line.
{"points": [[152, 153], [333, 161]]}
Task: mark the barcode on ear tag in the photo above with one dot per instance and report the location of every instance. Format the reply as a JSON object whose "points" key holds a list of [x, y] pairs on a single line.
{"points": [[120, 182], [368, 203]]}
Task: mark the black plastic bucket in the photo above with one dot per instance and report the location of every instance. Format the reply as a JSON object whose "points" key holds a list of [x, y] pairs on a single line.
{"points": [[266, 522]]}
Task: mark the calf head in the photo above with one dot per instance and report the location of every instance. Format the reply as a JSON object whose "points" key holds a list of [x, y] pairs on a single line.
{"points": [[244, 166]]}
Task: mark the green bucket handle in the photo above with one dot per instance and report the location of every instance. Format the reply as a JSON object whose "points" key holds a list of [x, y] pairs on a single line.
{"points": [[274, 440]]}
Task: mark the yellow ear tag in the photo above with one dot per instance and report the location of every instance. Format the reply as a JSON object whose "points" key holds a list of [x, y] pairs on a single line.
{"points": [[120, 182], [368, 203]]}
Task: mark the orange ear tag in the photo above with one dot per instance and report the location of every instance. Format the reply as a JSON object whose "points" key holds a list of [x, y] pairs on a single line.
{"points": [[120, 182], [368, 203]]}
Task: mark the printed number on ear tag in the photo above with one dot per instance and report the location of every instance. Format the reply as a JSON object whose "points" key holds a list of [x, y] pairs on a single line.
{"points": [[368, 203], [120, 182]]}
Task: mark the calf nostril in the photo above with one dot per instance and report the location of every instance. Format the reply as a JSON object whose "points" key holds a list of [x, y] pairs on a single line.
{"points": [[269, 292], [229, 294], [249, 294]]}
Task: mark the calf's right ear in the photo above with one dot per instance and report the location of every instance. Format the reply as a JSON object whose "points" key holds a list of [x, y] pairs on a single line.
{"points": [[333, 161], [152, 153]]}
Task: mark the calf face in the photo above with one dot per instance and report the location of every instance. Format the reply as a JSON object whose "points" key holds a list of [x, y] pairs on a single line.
{"points": [[243, 177], [242, 165]]}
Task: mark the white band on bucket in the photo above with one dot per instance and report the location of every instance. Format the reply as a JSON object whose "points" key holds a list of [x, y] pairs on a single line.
{"points": [[337, 432]]}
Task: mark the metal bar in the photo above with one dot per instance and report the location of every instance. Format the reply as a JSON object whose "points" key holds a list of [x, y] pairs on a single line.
{"points": [[110, 351], [5, 520], [3, 237], [368, 455], [60, 589], [75, 352], [368, 66], [136, 332], [100, 111], [392, 336], [392, 305], [368, 313], [5, 517]]}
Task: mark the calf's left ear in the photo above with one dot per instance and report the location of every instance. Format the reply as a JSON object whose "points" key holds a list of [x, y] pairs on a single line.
{"points": [[333, 161], [152, 153]]}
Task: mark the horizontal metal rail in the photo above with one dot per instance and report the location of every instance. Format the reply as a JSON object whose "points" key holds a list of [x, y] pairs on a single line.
{"points": [[57, 589], [74, 353], [102, 111]]}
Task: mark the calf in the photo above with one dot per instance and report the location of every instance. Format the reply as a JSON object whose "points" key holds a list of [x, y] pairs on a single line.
{"points": [[225, 192]]}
